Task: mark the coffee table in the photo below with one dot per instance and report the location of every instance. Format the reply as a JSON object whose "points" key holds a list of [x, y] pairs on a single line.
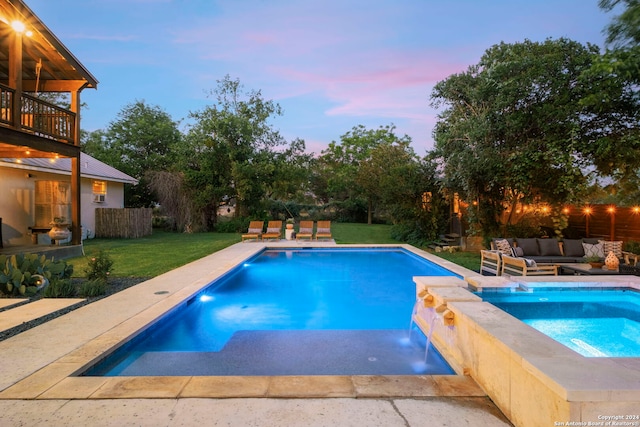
{"points": [[585, 270]]}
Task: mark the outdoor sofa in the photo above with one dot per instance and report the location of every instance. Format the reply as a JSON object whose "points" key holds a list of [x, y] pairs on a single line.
{"points": [[554, 251]]}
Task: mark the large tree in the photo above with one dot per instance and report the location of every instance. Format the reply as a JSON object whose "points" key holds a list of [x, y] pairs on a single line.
{"points": [[141, 140], [516, 127], [232, 151], [346, 171], [621, 60]]}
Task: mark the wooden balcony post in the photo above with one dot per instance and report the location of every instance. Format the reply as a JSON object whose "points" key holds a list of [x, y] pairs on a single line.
{"points": [[76, 181], [15, 76]]}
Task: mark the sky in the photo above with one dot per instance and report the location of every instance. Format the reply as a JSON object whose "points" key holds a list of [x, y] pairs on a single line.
{"points": [[330, 64]]}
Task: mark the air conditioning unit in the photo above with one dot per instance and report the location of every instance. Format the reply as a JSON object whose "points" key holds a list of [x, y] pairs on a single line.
{"points": [[98, 198]]}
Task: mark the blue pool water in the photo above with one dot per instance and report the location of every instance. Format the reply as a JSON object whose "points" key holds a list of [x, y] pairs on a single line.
{"points": [[600, 322], [293, 312]]}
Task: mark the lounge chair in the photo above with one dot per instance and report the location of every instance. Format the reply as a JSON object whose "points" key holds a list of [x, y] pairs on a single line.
{"points": [[518, 267], [324, 230], [274, 230], [254, 231], [305, 231]]}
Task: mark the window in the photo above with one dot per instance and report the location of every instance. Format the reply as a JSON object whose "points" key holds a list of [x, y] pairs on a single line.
{"points": [[99, 191], [52, 200]]}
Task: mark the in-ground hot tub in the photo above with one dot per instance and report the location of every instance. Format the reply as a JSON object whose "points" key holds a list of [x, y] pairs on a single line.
{"points": [[534, 379]]}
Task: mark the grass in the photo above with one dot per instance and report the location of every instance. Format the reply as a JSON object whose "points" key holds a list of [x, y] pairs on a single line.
{"points": [[153, 255], [163, 251], [470, 260]]}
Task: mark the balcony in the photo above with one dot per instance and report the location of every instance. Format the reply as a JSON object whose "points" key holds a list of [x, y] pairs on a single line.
{"points": [[37, 117]]}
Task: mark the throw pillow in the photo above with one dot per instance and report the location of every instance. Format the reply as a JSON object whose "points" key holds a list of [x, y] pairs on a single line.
{"points": [[593, 250], [530, 262], [612, 246], [549, 247], [529, 246], [503, 246], [573, 247], [517, 251]]}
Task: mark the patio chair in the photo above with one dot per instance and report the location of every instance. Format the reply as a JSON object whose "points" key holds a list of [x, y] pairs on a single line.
{"points": [[521, 267], [629, 258], [324, 230], [274, 230], [490, 263], [254, 231], [305, 231]]}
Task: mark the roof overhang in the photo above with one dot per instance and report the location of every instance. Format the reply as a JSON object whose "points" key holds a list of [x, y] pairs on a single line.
{"points": [[60, 70]]}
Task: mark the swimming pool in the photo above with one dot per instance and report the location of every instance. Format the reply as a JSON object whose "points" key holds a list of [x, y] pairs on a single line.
{"points": [[292, 312], [595, 322]]}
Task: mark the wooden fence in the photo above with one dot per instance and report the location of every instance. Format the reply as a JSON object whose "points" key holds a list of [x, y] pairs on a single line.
{"points": [[606, 221], [123, 223]]}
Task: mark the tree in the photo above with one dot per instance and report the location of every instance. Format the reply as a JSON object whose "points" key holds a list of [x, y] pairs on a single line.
{"points": [[339, 167], [517, 128], [232, 152], [139, 141], [621, 61], [384, 175], [624, 31]]}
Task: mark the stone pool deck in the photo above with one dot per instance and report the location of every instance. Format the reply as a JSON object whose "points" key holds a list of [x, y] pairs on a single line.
{"points": [[38, 386]]}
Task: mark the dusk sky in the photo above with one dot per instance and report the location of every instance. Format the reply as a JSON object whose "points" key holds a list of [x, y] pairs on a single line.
{"points": [[330, 64]]}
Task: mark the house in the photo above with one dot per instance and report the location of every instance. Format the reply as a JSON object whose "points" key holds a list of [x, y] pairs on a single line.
{"points": [[32, 62], [37, 190]]}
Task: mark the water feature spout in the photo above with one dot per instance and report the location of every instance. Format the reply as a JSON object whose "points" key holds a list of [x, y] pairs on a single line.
{"points": [[429, 301], [448, 318], [441, 308]]}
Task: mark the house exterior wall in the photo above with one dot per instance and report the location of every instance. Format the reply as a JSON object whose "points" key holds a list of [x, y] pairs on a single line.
{"points": [[17, 203]]}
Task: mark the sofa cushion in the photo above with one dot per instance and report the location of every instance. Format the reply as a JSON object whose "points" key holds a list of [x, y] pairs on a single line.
{"points": [[529, 246], [573, 247], [517, 251], [593, 250], [549, 247]]}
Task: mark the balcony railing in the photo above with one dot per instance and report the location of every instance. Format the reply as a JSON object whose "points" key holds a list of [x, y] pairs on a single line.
{"points": [[37, 116]]}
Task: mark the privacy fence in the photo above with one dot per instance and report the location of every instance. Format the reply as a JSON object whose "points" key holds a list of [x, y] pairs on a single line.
{"points": [[123, 223], [606, 221]]}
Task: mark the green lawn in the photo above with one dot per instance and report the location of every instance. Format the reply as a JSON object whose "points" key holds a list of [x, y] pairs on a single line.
{"points": [[164, 251]]}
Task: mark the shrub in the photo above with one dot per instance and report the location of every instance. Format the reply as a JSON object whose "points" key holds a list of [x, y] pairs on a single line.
{"points": [[234, 225], [99, 267], [632, 246], [60, 288], [93, 288]]}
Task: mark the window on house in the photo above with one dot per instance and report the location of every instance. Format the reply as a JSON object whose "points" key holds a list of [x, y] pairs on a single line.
{"points": [[52, 200], [99, 191]]}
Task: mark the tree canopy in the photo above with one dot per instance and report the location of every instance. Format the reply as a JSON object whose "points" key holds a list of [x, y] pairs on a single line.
{"points": [[521, 125], [140, 140]]}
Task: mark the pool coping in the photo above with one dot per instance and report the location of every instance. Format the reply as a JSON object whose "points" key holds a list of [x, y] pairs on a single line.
{"points": [[52, 354]]}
